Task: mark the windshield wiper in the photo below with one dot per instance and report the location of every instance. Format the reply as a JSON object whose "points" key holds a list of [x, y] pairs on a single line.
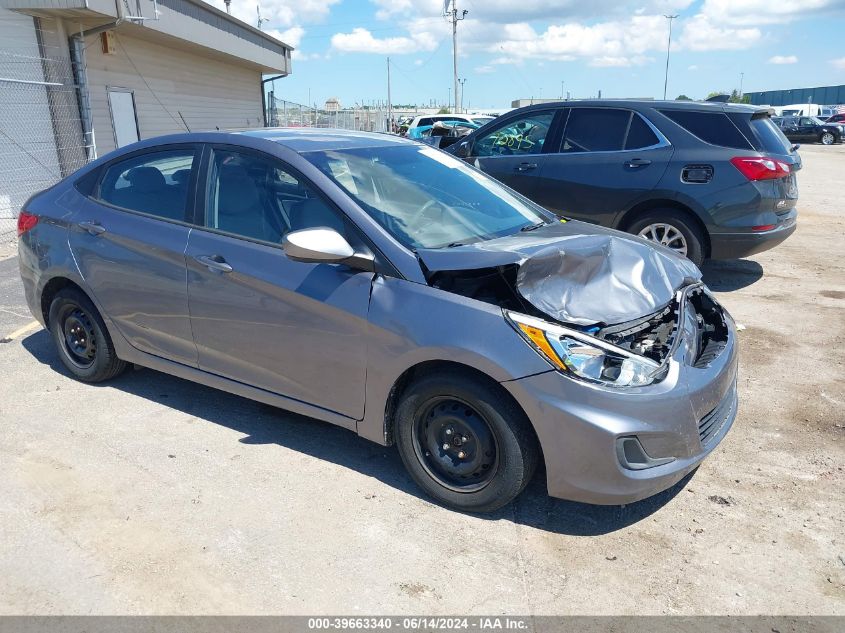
{"points": [[534, 227]]}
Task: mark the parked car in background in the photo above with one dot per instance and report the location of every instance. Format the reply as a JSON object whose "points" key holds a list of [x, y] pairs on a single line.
{"points": [[836, 118], [708, 180], [425, 120], [809, 129], [444, 133], [384, 286]]}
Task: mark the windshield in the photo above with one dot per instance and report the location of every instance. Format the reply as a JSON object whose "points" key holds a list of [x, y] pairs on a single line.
{"points": [[426, 198]]}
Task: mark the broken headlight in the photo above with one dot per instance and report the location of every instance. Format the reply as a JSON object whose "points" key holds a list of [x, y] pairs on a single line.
{"points": [[586, 357]]}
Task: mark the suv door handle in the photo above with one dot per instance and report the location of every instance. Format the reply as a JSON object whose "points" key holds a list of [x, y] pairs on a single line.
{"points": [[526, 166], [214, 263], [94, 228], [637, 162]]}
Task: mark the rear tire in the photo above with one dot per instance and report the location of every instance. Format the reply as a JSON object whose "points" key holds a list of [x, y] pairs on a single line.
{"points": [[683, 232], [81, 338], [464, 441]]}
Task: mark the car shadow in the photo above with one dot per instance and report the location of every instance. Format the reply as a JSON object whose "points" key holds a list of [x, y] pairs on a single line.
{"points": [[731, 274], [262, 424]]}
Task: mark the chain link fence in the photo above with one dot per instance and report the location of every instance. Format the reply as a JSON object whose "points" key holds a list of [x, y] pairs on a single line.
{"points": [[41, 137], [281, 113]]}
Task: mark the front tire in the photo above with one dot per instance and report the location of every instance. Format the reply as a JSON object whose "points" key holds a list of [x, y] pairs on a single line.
{"points": [[81, 338], [464, 441], [827, 138], [673, 230]]}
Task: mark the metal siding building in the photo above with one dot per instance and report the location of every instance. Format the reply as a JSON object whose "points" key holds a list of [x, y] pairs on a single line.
{"points": [[822, 95], [67, 95]]}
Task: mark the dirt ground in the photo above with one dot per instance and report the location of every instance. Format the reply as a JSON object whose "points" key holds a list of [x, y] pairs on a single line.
{"points": [[153, 495]]}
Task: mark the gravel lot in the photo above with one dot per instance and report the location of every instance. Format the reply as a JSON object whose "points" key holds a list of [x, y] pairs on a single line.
{"points": [[154, 495]]}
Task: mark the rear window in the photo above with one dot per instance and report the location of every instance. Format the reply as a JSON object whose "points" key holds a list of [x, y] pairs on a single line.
{"points": [[769, 135], [711, 127]]}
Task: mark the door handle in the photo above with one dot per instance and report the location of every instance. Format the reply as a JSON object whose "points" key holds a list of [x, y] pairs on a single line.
{"points": [[637, 162], [214, 263], [526, 166], [94, 228]]}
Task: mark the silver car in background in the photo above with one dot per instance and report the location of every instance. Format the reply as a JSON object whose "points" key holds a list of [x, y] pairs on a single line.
{"points": [[391, 289]]}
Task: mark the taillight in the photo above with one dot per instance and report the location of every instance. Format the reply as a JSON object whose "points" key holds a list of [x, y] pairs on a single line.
{"points": [[761, 168], [26, 221]]}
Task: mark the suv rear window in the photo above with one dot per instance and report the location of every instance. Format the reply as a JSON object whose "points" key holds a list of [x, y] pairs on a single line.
{"points": [[711, 127], [769, 135]]}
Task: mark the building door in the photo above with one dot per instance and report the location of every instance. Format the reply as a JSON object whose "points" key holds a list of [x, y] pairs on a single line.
{"points": [[123, 117]]}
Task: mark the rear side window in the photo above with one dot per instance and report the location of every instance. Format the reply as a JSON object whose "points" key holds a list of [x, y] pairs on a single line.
{"points": [[711, 127], [595, 130], [640, 134], [154, 183]]}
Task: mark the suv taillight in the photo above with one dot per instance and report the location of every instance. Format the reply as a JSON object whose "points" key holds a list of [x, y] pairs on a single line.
{"points": [[26, 221], [761, 168]]}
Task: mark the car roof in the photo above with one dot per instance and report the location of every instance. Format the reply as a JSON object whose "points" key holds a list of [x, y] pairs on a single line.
{"points": [[700, 106], [310, 139]]}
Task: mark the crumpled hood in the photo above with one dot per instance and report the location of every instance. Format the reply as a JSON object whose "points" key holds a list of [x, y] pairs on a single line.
{"points": [[578, 273]]}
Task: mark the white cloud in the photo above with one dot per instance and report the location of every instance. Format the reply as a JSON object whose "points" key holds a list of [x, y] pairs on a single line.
{"points": [[700, 34], [692, 68], [757, 12], [484, 70], [606, 43], [838, 63], [279, 13], [783, 59], [360, 40]]}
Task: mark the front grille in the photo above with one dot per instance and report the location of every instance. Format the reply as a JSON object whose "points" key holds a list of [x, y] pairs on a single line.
{"points": [[710, 425]]}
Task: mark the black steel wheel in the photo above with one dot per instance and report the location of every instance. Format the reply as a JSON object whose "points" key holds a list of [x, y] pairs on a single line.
{"points": [[81, 338], [455, 444], [464, 440]]}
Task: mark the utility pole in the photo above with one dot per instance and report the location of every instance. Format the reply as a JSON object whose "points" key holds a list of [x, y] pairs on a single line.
{"points": [[668, 46], [741, 78], [463, 83], [455, 17], [389, 102], [561, 90]]}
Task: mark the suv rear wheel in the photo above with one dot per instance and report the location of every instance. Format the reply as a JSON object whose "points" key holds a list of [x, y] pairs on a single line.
{"points": [[669, 228], [464, 441], [827, 138], [81, 338]]}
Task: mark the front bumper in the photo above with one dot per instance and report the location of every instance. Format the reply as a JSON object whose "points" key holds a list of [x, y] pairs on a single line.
{"points": [[578, 425]]}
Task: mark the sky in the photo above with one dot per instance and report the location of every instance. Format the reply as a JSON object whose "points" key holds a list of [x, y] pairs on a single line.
{"points": [[510, 49]]}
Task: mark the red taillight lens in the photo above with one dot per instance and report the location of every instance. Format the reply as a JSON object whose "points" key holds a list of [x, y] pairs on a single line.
{"points": [[760, 168], [26, 221]]}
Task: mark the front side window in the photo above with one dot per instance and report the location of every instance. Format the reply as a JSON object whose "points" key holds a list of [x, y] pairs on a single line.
{"points": [[525, 135], [154, 183], [260, 198], [425, 198]]}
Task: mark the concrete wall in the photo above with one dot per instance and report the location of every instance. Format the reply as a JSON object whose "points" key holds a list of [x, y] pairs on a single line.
{"points": [[208, 93]]}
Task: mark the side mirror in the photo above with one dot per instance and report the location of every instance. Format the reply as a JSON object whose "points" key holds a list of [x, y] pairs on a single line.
{"points": [[463, 150], [322, 245]]}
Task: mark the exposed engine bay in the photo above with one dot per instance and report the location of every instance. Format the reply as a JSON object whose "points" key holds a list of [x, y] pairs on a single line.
{"points": [[607, 285], [652, 336]]}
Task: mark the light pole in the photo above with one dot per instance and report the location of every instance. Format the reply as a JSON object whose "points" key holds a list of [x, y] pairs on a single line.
{"points": [[455, 16], [463, 83], [668, 46], [561, 90], [741, 78]]}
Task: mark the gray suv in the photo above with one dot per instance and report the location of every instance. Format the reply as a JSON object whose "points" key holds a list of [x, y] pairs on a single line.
{"points": [[709, 180], [389, 288]]}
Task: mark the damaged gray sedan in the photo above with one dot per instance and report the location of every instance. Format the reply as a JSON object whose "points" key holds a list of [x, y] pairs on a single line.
{"points": [[386, 287]]}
